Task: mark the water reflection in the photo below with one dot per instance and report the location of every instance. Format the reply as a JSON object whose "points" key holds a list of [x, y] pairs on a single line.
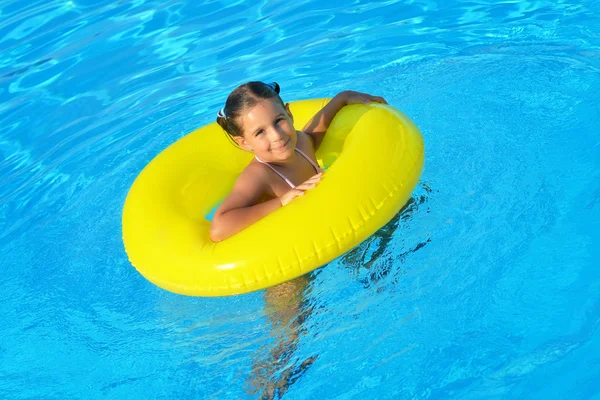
{"points": [[376, 249], [274, 370], [276, 367]]}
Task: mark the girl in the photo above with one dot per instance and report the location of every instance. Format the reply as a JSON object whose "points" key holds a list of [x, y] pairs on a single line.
{"points": [[284, 166]]}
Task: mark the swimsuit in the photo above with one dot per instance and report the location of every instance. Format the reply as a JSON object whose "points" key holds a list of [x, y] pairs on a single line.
{"points": [[281, 175]]}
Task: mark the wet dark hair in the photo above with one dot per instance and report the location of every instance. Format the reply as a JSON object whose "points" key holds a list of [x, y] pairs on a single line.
{"points": [[242, 98]]}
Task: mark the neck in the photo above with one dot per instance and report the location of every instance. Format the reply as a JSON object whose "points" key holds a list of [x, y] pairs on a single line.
{"points": [[283, 163]]}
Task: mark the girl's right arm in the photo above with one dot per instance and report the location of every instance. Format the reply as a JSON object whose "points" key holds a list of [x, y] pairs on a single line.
{"points": [[242, 207]]}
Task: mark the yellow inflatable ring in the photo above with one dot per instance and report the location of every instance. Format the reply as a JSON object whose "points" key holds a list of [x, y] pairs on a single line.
{"points": [[373, 155]]}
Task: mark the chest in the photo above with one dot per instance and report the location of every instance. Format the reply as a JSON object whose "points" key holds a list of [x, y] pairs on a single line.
{"points": [[297, 174]]}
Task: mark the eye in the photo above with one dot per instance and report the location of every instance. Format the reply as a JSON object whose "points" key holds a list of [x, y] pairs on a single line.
{"points": [[278, 120], [259, 132]]}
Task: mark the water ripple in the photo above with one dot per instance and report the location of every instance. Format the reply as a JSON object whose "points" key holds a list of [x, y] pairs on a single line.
{"points": [[473, 289]]}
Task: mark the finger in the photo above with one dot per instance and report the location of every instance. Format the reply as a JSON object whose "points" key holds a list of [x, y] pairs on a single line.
{"points": [[306, 185], [314, 178], [293, 193], [377, 99]]}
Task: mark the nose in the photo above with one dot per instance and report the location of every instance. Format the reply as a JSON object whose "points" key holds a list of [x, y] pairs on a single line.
{"points": [[276, 134]]}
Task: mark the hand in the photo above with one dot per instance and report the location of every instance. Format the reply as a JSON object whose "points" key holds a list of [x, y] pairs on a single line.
{"points": [[300, 189], [353, 97]]}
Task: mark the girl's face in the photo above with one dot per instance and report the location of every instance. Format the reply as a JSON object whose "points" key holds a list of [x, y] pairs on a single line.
{"points": [[269, 131]]}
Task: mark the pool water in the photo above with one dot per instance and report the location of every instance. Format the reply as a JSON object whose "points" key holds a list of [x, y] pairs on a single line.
{"points": [[486, 285]]}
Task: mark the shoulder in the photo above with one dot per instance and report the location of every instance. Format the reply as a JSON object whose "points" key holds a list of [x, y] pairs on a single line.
{"points": [[255, 174], [257, 178], [249, 188], [306, 142]]}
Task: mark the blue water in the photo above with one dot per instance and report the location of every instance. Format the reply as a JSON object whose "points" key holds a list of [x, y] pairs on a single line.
{"points": [[485, 286]]}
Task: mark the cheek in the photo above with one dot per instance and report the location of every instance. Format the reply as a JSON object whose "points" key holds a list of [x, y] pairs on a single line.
{"points": [[261, 143], [290, 130]]}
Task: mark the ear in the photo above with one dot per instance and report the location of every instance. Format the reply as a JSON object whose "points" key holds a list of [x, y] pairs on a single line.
{"points": [[242, 143], [287, 110]]}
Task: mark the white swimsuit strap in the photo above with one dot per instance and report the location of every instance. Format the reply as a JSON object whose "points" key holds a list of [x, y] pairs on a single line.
{"points": [[283, 176], [277, 172], [317, 168]]}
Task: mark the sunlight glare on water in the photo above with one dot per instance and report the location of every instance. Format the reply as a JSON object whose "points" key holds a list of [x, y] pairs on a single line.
{"points": [[485, 285]]}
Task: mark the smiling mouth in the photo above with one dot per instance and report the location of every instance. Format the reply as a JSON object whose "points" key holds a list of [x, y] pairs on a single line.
{"points": [[281, 147]]}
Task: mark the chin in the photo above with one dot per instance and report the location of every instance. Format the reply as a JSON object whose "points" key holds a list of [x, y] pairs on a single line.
{"points": [[289, 152], [280, 156]]}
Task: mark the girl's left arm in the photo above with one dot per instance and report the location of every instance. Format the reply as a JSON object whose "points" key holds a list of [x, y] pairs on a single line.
{"points": [[317, 125]]}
